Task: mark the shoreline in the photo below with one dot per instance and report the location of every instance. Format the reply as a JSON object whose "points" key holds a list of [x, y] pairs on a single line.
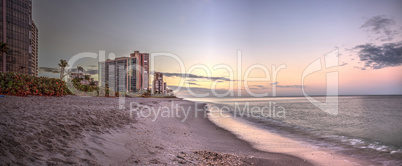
{"points": [[265, 140], [197, 133], [94, 131]]}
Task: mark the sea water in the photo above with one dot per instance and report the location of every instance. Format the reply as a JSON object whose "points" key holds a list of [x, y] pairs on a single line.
{"points": [[366, 127]]}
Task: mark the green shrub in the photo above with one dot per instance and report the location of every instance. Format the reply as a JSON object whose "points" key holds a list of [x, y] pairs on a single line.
{"points": [[82, 90], [23, 85]]}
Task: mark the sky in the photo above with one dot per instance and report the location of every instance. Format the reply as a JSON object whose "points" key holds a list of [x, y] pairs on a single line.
{"points": [[206, 33]]}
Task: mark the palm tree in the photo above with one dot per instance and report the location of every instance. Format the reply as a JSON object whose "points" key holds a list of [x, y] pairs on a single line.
{"points": [[3, 50], [63, 64], [79, 68]]}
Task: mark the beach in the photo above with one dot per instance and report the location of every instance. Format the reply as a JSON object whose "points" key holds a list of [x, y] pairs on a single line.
{"points": [[76, 130]]}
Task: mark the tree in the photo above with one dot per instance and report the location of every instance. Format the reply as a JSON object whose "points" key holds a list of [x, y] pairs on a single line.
{"points": [[79, 68], [3, 50], [63, 64]]}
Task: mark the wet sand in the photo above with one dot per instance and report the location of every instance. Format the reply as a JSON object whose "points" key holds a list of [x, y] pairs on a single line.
{"points": [[95, 131]]}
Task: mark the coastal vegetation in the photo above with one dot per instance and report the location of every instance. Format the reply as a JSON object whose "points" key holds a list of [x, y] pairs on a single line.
{"points": [[23, 85]]}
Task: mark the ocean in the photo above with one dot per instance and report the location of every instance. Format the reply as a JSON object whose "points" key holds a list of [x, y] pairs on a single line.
{"points": [[366, 127]]}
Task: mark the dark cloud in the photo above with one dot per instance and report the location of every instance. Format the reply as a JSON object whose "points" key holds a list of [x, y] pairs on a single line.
{"points": [[194, 76], [49, 70], [192, 83], [377, 57], [258, 87], [289, 86], [285, 86], [380, 27]]}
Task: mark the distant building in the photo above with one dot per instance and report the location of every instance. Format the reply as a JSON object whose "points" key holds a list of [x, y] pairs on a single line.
{"points": [[159, 86], [142, 69], [164, 88], [18, 30], [125, 74], [169, 91]]}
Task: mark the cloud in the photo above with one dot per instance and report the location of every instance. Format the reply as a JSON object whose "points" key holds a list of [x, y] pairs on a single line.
{"points": [[285, 86], [91, 71], [93, 66], [258, 87], [192, 83], [56, 70], [194, 76], [358, 67], [380, 27], [344, 64], [86, 71], [49, 70], [289, 86], [377, 57]]}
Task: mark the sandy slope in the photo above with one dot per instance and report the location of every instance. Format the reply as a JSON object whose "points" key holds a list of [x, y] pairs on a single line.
{"points": [[36, 130]]}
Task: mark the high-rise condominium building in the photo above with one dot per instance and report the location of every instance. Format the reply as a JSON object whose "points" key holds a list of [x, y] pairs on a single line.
{"points": [[19, 32], [142, 70], [125, 74], [118, 74]]}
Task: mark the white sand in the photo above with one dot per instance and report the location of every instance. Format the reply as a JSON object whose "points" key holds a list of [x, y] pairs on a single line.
{"points": [[94, 131]]}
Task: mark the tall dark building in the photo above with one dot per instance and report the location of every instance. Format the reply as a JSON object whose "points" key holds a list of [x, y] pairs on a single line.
{"points": [[18, 30]]}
